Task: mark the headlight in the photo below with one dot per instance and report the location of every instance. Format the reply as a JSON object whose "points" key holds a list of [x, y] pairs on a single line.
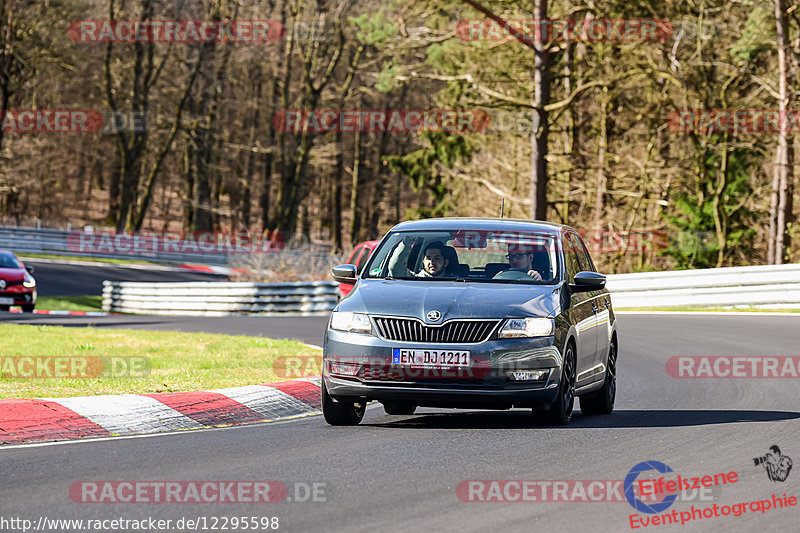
{"points": [[29, 282], [526, 327], [352, 322]]}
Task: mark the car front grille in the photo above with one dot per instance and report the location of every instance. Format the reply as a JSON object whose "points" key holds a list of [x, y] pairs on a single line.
{"points": [[455, 331]]}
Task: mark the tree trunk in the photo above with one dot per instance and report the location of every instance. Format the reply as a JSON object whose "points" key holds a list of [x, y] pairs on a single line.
{"points": [[600, 184], [355, 219], [541, 97], [266, 183], [781, 202]]}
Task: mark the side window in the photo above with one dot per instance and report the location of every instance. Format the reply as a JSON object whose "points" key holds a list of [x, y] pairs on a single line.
{"points": [[583, 256], [586, 253], [362, 260], [353, 259], [571, 258]]}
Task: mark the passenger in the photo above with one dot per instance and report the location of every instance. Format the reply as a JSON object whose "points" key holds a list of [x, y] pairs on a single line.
{"points": [[520, 257], [433, 261]]}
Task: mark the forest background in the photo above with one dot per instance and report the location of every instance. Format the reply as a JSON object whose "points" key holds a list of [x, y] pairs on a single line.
{"points": [[581, 131]]}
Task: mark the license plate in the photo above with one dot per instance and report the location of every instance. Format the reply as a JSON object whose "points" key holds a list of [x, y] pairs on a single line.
{"points": [[6, 301], [431, 358]]}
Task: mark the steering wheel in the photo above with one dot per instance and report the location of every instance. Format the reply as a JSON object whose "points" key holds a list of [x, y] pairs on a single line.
{"points": [[513, 274]]}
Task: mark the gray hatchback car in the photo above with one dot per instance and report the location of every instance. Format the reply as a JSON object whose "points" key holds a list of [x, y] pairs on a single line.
{"points": [[476, 314]]}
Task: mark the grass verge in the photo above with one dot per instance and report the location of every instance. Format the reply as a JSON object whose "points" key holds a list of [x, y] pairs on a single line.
{"points": [[89, 259], [175, 362], [70, 303]]}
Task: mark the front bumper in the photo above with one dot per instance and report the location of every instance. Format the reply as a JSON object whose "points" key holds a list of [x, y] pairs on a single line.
{"points": [[19, 294], [486, 384]]}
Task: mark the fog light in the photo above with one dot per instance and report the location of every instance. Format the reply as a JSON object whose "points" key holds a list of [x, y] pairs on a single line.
{"points": [[343, 369], [527, 375]]}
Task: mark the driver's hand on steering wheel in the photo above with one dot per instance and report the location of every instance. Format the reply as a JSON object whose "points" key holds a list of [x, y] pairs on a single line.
{"points": [[535, 274]]}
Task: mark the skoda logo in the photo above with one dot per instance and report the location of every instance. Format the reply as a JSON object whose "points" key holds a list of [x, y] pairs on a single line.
{"points": [[434, 315], [2, 284]]}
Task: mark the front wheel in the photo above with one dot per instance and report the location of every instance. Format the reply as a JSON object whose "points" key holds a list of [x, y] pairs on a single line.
{"points": [[343, 412], [560, 413], [602, 401]]}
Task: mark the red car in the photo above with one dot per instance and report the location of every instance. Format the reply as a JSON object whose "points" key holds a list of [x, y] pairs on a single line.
{"points": [[359, 259], [17, 285]]}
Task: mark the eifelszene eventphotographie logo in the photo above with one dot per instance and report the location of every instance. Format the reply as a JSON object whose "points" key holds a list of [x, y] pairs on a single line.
{"points": [[777, 466]]}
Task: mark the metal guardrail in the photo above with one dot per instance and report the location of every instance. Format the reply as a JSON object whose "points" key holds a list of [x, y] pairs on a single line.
{"points": [[55, 242], [773, 286], [759, 286], [219, 298], [64, 242]]}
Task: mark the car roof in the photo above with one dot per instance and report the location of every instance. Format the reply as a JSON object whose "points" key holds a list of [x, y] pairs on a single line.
{"points": [[485, 224]]}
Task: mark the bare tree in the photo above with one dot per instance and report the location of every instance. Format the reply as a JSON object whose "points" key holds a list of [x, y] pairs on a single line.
{"points": [[781, 199]]}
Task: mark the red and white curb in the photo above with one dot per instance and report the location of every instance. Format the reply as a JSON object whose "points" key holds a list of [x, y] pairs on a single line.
{"points": [[61, 312], [134, 414]]}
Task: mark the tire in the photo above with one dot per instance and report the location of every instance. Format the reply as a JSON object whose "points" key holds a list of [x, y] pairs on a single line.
{"points": [[397, 408], [344, 412], [4, 307], [27, 308], [560, 413], [602, 401]]}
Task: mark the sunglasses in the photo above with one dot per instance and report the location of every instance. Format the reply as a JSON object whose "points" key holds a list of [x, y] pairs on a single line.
{"points": [[515, 256]]}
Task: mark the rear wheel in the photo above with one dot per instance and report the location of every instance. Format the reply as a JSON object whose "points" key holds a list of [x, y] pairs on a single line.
{"points": [[560, 413], [27, 308], [4, 307], [344, 411], [602, 401], [398, 408]]}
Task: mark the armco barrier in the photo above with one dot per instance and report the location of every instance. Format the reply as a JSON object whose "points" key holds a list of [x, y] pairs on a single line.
{"points": [[24, 240], [55, 241], [773, 286], [219, 298]]}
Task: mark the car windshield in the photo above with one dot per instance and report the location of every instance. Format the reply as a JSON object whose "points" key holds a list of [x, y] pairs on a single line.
{"points": [[9, 261], [467, 255]]}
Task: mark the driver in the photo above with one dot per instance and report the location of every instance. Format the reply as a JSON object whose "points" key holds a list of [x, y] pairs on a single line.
{"points": [[520, 257], [433, 261]]}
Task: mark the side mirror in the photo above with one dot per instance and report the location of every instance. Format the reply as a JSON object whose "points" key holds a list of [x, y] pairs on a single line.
{"points": [[588, 281], [29, 268], [345, 274]]}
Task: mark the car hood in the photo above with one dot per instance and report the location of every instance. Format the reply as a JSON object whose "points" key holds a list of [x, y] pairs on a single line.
{"points": [[452, 299], [12, 274]]}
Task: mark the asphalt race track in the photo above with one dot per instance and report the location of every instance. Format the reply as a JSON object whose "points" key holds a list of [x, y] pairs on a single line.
{"points": [[400, 473], [62, 279]]}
